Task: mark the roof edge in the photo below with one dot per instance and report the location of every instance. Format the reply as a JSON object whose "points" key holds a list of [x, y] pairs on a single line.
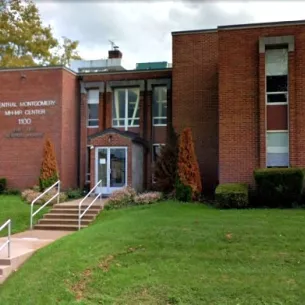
{"points": [[125, 71], [261, 24], [242, 26], [176, 33], [33, 68]]}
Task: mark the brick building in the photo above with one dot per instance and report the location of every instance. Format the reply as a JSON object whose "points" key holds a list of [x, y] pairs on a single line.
{"points": [[238, 87]]}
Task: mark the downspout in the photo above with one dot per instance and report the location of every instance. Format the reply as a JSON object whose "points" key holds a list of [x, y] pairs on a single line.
{"points": [[79, 133]]}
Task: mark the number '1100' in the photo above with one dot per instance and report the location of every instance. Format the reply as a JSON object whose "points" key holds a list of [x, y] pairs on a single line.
{"points": [[24, 121]]}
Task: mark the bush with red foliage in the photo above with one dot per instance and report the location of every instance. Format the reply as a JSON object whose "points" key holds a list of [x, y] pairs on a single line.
{"points": [[188, 168]]}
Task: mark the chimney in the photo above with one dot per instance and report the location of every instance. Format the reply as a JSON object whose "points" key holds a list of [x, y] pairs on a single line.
{"points": [[114, 54]]}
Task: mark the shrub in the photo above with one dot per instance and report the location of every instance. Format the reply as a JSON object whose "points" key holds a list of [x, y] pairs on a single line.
{"points": [[29, 195], [74, 193], [147, 198], [188, 168], [121, 198], [165, 170], [49, 171], [279, 187], [12, 192], [183, 192], [232, 195], [3, 185]]}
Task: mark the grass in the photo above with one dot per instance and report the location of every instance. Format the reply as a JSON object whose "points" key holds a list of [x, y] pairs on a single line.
{"points": [[14, 208], [170, 253]]}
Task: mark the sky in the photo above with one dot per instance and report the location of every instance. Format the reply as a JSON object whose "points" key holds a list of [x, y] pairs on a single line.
{"points": [[142, 29]]}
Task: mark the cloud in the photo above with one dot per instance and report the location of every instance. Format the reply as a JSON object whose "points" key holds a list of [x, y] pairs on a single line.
{"points": [[142, 30]]}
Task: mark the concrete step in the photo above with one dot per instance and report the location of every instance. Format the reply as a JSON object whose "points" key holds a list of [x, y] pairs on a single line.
{"points": [[69, 216], [75, 206], [73, 211], [46, 221], [59, 227]]}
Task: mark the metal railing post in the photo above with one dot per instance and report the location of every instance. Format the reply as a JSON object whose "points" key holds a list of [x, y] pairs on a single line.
{"points": [[58, 191], [80, 215], [31, 221], [9, 240]]}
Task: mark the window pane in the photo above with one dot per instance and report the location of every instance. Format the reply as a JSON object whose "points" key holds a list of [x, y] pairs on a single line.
{"points": [[277, 149], [133, 106], [118, 109], [276, 61], [93, 111], [277, 160], [277, 83], [118, 123], [160, 103], [277, 139], [133, 122], [93, 123], [162, 121], [93, 96], [157, 151], [276, 98]]}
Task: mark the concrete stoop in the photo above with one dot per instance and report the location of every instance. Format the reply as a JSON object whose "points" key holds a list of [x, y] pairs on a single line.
{"points": [[61, 220], [24, 245], [64, 216]]}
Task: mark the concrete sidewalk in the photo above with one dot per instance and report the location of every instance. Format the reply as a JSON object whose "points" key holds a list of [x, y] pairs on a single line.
{"points": [[23, 245]]}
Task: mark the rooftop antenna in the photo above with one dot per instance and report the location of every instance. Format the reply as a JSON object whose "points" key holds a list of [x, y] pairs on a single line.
{"points": [[113, 45]]}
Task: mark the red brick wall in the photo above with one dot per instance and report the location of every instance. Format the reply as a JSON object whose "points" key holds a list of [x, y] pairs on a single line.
{"points": [[145, 129], [242, 111], [21, 157], [195, 97], [70, 127]]}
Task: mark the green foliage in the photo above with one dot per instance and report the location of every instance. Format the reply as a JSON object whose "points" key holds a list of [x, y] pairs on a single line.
{"points": [[74, 193], [47, 182], [183, 192], [25, 41], [3, 185], [121, 198], [165, 170], [12, 192], [279, 187], [232, 195]]}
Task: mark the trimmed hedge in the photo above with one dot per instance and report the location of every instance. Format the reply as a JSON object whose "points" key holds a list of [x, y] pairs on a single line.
{"points": [[279, 187], [3, 185], [232, 195]]}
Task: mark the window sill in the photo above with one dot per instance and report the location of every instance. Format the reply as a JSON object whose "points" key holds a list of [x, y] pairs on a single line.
{"points": [[159, 125], [276, 104], [93, 126]]}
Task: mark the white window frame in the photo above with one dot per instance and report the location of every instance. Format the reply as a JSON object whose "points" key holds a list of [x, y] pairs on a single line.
{"points": [[153, 161], [278, 149], [156, 144], [93, 102], [160, 105], [88, 170], [279, 92], [126, 119]]}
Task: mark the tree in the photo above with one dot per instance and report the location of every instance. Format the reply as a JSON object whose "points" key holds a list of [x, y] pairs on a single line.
{"points": [[188, 168], [165, 170], [49, 170], [25, 41]]}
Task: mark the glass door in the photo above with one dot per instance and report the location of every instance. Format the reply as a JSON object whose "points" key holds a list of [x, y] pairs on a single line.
{"points": [[111, 168]]}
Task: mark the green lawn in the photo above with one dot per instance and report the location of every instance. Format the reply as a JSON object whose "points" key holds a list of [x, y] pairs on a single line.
{"points": [[170, 253], [11, 206]]}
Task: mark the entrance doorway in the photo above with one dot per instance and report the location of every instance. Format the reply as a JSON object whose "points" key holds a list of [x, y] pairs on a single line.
{"points": [[111, 168]]}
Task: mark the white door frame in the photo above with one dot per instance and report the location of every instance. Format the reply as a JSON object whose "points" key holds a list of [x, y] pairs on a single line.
{"points": [[107, 189]]}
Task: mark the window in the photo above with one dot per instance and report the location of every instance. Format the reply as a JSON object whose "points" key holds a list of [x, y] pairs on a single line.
{"points": [[93, 107], [160, 106], [157, 151], [88, 164], [125, 110], [276, 76], [277, 149]]}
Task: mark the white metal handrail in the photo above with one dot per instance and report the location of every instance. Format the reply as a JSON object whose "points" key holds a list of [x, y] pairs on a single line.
{"points": [[80, 215], [8, 242], [41, 195]]}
